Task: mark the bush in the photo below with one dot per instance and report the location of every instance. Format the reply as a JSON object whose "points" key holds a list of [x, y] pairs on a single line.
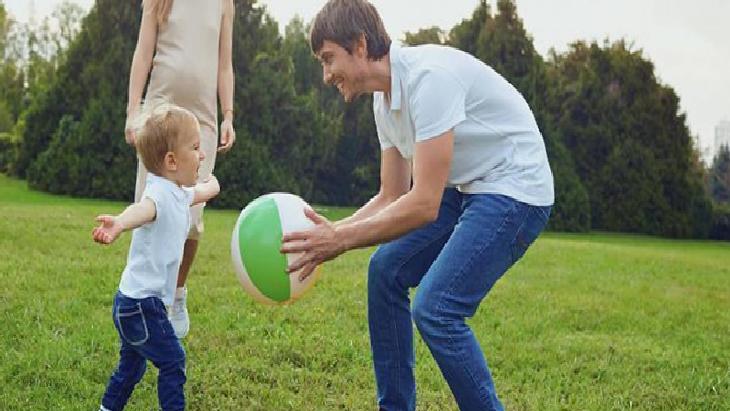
{"points": [[9, 147], [720, 222], [88, 158]]}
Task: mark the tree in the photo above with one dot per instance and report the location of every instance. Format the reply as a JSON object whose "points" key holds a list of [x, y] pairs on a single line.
{"points": [[502, 42], [608, 104], [4, 30], [431, 35], [465, 34], [720, 176]]}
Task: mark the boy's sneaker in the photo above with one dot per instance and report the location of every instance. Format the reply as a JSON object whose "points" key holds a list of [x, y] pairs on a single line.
{"points": [[179, 313]]}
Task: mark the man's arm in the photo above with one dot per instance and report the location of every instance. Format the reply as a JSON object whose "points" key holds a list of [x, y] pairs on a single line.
{"points": [[395, 181], [132, 217], [419, 206], [325, 241]]}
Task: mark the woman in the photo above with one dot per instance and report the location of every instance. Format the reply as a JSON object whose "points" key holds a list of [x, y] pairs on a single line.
{"points": [[188, 46]]}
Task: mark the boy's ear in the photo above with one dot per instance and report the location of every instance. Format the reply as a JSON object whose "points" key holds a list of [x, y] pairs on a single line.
{"points": [[170, 161]]}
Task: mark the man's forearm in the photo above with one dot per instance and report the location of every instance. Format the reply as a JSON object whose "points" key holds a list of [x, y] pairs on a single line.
{"points": [[372, 207], [392, 221]]}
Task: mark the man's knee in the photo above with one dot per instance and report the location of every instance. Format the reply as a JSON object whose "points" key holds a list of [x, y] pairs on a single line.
{"points": [[383, 266]]}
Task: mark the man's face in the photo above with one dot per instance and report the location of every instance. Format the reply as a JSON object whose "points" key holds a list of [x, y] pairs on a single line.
{"points": [[341, 69]]}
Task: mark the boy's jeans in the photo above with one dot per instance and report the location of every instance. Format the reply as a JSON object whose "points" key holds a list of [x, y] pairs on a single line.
{"points": [[454, 261], [145, 334]]}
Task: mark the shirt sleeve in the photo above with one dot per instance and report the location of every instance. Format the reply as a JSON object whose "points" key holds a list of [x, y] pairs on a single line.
{"points": [[437, 101], [153, 192]]}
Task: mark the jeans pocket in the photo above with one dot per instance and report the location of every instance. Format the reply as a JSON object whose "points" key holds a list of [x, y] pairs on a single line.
{"points": [[132, 324], [533, 225]]}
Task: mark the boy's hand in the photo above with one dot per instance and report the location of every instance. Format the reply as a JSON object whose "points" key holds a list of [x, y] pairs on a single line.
{"points": [[108, 230]]}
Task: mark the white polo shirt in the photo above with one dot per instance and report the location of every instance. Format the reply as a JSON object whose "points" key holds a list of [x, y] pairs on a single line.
{"points": [[498, 147], [157, 247]]}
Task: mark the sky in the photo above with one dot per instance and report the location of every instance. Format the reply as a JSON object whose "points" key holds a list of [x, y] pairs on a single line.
{"points": [[688, 42]]}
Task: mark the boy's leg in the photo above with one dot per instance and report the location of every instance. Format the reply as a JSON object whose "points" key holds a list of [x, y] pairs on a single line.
{"points": [[129, 371], [179, 311], [492, 233], [163, 348]]}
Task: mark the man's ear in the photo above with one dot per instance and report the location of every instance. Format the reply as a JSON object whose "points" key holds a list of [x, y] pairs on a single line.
{"points": [[360, 47], [170, 161]]}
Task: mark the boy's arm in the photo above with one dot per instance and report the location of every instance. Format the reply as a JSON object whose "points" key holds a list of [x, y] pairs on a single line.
{"points": [[207, 190], [132, 217]]}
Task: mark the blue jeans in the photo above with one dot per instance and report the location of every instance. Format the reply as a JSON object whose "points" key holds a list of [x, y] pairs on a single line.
{"points": [[145, 334], [454, 261]]}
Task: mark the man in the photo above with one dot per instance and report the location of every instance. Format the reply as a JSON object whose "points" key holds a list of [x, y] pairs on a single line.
{"points": [[465, 188]]}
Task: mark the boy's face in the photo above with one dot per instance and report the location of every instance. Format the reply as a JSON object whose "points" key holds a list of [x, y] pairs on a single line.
{"points": [[188, 156], [342, 69]]}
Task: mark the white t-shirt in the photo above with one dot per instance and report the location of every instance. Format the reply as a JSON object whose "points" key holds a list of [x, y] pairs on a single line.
{"points": [[498, 147], [157, 247]]}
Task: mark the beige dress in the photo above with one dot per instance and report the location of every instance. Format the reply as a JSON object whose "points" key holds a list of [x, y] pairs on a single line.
{"points": [[185, 72]]}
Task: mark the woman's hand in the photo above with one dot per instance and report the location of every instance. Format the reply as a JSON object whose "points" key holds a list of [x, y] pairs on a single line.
{"points": [[228, 136], [129, 135]]}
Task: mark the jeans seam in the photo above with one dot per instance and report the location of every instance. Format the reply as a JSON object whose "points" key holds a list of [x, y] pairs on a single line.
{"points": [[390, 302], [461, 272]]}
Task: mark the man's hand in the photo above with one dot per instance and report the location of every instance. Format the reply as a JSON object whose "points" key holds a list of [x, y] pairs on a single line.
{"points": [[317, 245]]}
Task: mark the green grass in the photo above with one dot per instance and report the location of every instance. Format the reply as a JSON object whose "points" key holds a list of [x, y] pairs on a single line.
{"points": [[583, 322]]}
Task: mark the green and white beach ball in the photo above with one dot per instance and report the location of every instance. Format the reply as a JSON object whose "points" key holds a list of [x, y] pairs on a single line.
{"points": [[255, 246]]}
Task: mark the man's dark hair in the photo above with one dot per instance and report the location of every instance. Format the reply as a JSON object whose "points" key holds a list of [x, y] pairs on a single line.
{"points": [[344, 21]]}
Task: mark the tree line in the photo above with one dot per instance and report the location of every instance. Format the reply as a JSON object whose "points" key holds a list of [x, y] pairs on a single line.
{"points": [[619, 146]]}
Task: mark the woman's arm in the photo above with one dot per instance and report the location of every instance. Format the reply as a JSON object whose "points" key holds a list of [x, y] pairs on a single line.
{"points": [[225, 76], [141, 63]]}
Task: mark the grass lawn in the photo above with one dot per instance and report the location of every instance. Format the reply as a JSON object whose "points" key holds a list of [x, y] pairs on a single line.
{"points": [[583, 322]]}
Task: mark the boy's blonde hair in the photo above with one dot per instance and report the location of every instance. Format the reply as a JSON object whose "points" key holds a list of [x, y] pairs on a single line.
{"points": [[160, 128]]}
